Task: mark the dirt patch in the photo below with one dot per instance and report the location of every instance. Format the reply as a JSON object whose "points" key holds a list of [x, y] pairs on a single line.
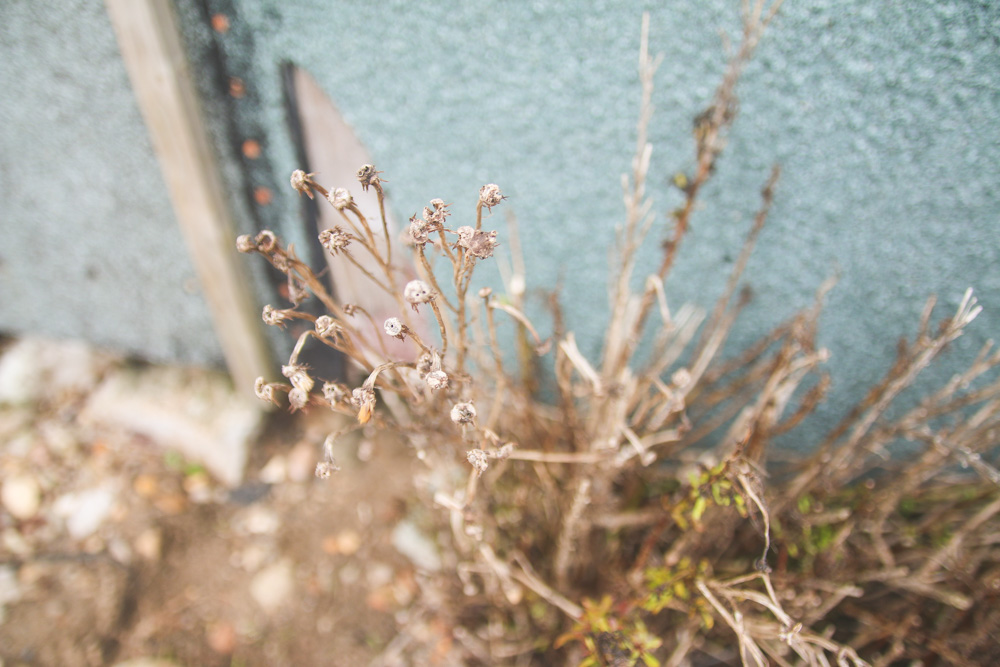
{"points": [[114, 549]]}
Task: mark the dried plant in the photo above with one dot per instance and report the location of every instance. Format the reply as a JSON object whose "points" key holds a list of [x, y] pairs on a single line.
{"points": [[634, 519]]}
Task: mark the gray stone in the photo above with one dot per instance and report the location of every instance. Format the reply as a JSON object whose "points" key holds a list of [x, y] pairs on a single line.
{"points": [[192, 411], [273, 586], [21, 496], [420, 549]]}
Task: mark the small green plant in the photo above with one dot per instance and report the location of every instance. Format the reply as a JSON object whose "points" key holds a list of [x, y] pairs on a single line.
{"points": [[644, 484]]}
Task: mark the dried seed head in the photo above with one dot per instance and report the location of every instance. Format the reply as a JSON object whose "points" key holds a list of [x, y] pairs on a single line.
{"points": [[477, 242], [297, 292], [244, 243], [340, 198], [297, 398], [325, 469], [393, 327], [490, 195], [326, 326], [425, 364], [479, 460], [334, 393], [334, 240], [440, 213], [436, 380], [681, 378], [266, 241], [485, 293], [417, 292], [298, 375], [264, 391], [463, 413], [368, 176], [418, 230], [275, 318], [300, 182], [364, 400]]}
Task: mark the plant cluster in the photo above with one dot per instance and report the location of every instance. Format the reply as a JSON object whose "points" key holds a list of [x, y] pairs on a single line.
{"points": [[635, 519]]}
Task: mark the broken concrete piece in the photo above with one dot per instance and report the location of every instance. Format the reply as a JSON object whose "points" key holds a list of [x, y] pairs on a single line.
{"points": [[192, 411]]}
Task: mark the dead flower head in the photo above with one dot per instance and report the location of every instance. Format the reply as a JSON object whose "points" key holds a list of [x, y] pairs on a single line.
{"points": [[324, 469], [419, 230], [340, 198], [463, 413], [326, 326], [393, 327], [297, 398], [439, 214], [266, 241], [436, 380], [300, 182], [264, 391], [479, 243], [417, 292], [490, 195], [245, 243], [335, 240], [275, 318], [368, 176], [479, 459], [298, 375], [364, 400], [334, 393]]}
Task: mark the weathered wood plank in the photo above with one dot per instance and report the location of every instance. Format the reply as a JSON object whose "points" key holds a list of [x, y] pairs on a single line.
{"points": [[149, 40]]}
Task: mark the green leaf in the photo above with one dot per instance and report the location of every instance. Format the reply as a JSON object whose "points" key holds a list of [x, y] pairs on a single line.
{"points": [[699, 509]]}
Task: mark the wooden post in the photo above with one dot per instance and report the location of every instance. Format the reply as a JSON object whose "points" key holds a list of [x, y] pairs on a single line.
{"points": [[150, 44]]}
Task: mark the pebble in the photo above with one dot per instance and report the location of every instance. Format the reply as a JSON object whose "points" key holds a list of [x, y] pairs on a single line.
{"points": [[149, 544], [275, 471], [14, 542], [346, 542], [10, 589], [420, 549], [32, 369], [146, 485], [273, 586], [302, 462], [21, 496], [196, 413], [222, 638], [85, 511]]}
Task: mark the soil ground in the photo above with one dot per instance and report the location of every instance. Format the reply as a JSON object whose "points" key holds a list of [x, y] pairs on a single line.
{"points": [[284, 569]]}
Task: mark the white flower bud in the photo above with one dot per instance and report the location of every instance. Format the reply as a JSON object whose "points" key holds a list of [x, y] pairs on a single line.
{"points": [[436, 380], [417, 292], [463, 413], [393, 327], [340, 198], [490, 195], [479, 460]]}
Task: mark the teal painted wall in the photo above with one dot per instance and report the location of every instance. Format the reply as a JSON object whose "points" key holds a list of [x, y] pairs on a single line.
{"points": [[90, 246], [883, 116]]}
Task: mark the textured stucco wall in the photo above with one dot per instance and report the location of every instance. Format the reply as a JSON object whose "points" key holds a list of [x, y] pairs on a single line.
{"points": [[90, 245], [882, 114]]}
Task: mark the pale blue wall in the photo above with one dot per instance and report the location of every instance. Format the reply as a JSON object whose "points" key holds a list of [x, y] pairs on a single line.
{"points": [[90, 247], [884, 116]]}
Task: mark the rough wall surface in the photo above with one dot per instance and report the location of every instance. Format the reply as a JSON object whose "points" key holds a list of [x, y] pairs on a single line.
{"points": [[882, 114], [90, 246]]}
